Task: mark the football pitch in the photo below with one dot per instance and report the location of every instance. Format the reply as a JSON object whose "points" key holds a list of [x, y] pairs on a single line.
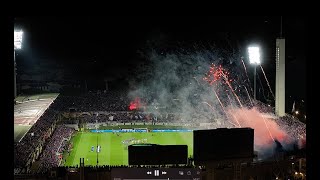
{"points": [[113, 151]]}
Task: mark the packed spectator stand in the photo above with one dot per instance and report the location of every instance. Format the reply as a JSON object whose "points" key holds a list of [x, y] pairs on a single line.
{"points": [[29, 148], [52, 154]]}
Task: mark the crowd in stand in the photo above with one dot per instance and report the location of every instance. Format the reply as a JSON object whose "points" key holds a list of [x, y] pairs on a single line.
{"points": [[93, 101], [290, 124], [263, 107], [52, 154], [130, 116], [36, 135], [145, 117], [293, 126]]}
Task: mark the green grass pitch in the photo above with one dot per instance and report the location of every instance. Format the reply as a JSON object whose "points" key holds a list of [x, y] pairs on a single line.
{"points": [[113, 152]]}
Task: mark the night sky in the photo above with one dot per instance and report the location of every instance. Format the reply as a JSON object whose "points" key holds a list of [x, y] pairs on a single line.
{"points": [[110, 45]]}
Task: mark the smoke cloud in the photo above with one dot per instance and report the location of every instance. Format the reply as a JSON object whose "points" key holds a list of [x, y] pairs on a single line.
{"points": [[173, 82]]}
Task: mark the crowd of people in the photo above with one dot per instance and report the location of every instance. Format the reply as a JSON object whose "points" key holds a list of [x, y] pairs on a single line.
{"points": [[129, 116], [293, 126], [52, 154], [263, 108], [93, 101], [36, 135], [290, 124]]}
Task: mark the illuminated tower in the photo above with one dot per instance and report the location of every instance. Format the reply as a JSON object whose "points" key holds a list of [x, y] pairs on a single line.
{"points": [[280, 77]]}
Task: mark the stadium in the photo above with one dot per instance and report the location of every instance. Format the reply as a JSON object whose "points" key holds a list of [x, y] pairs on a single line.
{"points": [[89, 127], [190, 108]]}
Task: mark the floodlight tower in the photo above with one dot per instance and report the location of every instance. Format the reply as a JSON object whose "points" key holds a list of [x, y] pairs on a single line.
{"points": [[280, 75], [254, 57], [17, 46]]}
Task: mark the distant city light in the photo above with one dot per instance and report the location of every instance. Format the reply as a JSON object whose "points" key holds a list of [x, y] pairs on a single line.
{"points": [[297, 112], [254, 55], [18, 39], [296, 173]]}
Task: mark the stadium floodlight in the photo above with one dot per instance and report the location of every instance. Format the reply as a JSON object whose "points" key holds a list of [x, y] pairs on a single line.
{"points": [[254, 58], [17, 46], [254, 55], [18, 39]]}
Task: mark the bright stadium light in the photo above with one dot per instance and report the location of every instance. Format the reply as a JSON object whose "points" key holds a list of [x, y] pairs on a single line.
{"points": [[254, 55], [17, 46], [17, 39], [254, 58]]}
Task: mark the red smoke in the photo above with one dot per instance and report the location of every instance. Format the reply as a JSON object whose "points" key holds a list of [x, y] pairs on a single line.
{"points": [[265, 130], [135, 104]]}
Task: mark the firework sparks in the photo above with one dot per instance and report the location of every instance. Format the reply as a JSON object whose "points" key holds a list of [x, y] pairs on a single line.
{"points": [[209, 106], [215, 74], [219, 101], [264, 120], [248, 95], [245, 69], [235, 118], [229, 85], [267, 81]]}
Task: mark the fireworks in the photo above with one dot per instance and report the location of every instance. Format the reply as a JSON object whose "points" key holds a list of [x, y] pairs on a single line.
{"points": [[267, 81], [225, 88], [215, 74], [267, 130]]}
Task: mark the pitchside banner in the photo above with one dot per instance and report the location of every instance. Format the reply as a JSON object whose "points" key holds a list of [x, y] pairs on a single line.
{"points": [[119, 131], [139, 130]]}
